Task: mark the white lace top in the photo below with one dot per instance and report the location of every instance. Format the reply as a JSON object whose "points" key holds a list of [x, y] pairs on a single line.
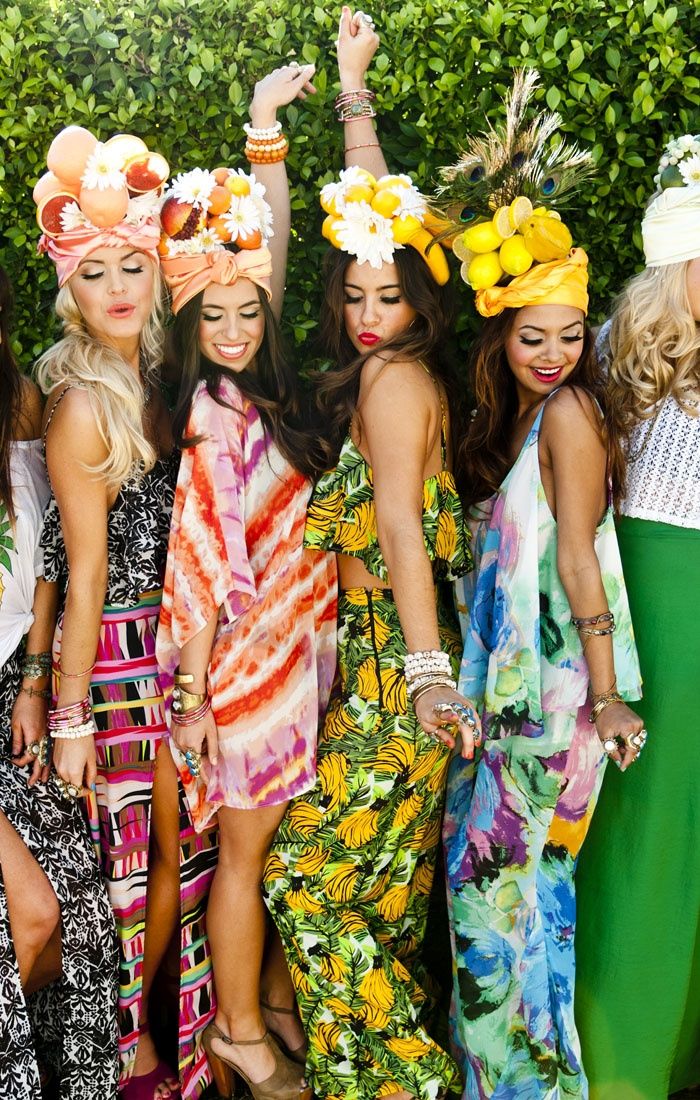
{"points": [[21, 559], [663, 477]]}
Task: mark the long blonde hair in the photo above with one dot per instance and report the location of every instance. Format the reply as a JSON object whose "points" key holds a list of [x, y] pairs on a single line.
{"points": [[116, 394], [654, 345]]}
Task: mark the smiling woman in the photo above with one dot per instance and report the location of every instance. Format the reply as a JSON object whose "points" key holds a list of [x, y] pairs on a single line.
{"points": [[246, 638]]}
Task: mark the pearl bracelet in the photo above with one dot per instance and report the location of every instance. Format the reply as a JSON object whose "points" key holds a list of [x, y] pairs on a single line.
{"points": [[268, 133], [74, 733]]}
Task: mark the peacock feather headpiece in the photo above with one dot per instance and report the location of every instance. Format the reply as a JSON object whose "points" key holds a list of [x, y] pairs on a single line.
{"points": [[499, 197]]}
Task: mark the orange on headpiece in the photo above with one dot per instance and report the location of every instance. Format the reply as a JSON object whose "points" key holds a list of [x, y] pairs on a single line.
{"points": [[203, 212], [98, 195], [558, 283]]}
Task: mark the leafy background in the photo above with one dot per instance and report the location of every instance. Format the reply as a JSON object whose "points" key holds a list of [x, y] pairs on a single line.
{"points": [[180, 73]]}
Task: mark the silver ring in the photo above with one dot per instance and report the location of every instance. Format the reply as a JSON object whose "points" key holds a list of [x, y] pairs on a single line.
{"points": [[294, 64], [363, 17]]}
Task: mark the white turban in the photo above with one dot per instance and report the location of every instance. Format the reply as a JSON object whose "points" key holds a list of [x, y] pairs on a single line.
{"points": [[671, 227]]}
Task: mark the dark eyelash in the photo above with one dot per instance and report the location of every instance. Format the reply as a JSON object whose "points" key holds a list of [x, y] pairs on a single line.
{"points": [[391, 301], [133, 270], [251, 316], [572, 339], [96, 275], [351, 301], [529, 343]]}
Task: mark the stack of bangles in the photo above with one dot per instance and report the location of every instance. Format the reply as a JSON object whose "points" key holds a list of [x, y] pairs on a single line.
{"points": [[72, 721], [425, 670], [265, 146], [353, 105], [595, 626], [605, 699], [188, 708]]}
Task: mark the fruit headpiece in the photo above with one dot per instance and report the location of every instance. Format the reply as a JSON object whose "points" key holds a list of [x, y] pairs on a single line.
{"points": [[515, 249], [372, 218], [203, 213], [671, 224], [96, 195]]}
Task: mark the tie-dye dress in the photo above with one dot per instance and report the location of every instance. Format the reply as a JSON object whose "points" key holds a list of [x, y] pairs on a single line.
{"points": [[516, 818], [236, 550]]}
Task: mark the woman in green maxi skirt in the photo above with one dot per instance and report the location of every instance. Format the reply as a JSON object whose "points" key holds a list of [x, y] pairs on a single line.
{"points": [[638, 881]]}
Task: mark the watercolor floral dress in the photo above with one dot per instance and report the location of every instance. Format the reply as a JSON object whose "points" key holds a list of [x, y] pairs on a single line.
{"points": [[349, 875], [515, 821]]}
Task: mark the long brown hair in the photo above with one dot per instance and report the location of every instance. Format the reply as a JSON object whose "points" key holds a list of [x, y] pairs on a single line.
{"points": [[11, 383], [272, 387], [483, 455], [425, 340]]}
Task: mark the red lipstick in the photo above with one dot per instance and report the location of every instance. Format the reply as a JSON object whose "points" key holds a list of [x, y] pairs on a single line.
{"points": [[368, 339], [121, 309]]}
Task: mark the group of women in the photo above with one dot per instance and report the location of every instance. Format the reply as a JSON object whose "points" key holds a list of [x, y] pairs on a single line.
{"points": [[232, 677]]}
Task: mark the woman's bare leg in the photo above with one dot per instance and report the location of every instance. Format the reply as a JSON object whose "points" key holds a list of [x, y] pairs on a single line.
{"points": [[33, 910], [162, 895], [277, 991], [236, 926]]}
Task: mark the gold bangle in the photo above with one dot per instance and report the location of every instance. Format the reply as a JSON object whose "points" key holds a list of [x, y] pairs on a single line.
{"points": [[186, 701]]}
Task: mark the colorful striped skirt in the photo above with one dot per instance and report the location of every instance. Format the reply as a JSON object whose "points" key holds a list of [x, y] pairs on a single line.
{"points": [[128, 708], [350, 871]]}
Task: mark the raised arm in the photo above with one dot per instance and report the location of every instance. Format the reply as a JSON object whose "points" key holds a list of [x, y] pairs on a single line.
{"points": [[73, 443], [573, 445], [357, 45], [276, 90], [401, 424]]}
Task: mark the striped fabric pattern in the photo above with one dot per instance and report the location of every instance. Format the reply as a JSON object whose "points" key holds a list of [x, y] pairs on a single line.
{"points": [[128, 708]]}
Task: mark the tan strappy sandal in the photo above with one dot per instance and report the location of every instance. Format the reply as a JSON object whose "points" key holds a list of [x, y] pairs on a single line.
{"points": [[286, 1082], [298, 1054]]}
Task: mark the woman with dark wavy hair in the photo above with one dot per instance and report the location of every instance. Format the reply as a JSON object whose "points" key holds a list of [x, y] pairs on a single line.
{"points": [[55, 919], [351, 867], [549, 649], [247, 630]]}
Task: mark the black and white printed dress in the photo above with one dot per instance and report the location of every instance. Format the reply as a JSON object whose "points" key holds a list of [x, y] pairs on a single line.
{"points": [[69, 1027]]}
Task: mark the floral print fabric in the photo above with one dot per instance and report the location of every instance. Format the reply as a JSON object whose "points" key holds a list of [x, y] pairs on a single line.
{"points": [[516, 821], [342, 518], [350, 872]]}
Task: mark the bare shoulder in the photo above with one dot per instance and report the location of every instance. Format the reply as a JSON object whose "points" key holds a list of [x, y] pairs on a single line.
{"points": [[571, 409], [402, 380], [74, 425], [28, 423]]}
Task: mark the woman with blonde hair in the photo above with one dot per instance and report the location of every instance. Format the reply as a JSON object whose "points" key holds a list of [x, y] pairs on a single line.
{"points": [[638, 999], [55, 919], [111, 464]]}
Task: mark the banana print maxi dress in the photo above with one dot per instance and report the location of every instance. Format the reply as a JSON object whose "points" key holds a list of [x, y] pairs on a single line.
{"points": [[350, 871], [515, 821]]}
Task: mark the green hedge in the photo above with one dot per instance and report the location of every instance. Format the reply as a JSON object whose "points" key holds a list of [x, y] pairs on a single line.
{"points": [[180, 73]]}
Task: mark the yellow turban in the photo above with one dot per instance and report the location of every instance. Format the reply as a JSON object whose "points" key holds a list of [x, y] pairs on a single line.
{"points": [[557, 283]]}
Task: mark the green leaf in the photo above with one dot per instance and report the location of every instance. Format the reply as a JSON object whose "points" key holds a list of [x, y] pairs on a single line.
{"points": [[560, 38], [207, 59], [553, 98], [575, 58], [195, 76], [107, 40]]}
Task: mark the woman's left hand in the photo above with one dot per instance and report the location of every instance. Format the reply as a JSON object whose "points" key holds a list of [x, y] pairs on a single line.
{"points": [[618, 723], [442, 710], [28, 727]]}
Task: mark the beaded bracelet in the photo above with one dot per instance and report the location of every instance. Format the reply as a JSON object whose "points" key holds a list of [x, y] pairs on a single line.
{"points": [[36, 666], [426, 660], [267, 133], [74, 733], [270, 152]]}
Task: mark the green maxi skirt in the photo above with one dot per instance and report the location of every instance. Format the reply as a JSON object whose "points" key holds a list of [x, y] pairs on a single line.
{"points": [[638, 881]]}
